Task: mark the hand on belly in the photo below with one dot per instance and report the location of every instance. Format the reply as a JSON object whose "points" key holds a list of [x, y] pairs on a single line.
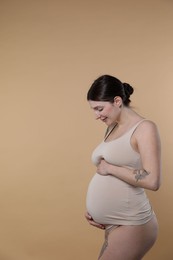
{"points": [[92, 222], [102, 167]]}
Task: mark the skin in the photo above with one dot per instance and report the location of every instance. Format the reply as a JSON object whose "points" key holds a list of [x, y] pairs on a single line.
{"points": [[137, 240]]}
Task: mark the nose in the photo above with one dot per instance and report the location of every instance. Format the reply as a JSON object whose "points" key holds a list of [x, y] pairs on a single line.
{"points": [[97, 115]]}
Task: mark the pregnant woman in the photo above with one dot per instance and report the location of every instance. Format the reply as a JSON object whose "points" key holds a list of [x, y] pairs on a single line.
{"points": [[127, 162]]}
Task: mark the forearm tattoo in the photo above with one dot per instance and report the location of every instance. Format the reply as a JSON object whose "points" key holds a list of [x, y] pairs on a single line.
{"points": [[140, 174]]}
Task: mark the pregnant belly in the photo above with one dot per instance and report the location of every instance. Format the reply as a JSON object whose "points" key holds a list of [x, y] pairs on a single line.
{"points": [[107, 199], [112, 201]]}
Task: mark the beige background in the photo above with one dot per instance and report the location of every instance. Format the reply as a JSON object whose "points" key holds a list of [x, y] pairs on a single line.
{"points": [[50, 53]]}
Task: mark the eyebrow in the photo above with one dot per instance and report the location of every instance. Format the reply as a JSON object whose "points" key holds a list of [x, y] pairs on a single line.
{"points": [[96, 107]]}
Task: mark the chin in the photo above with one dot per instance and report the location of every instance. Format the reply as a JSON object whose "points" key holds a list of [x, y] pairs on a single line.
{"points": [[108, 124]]}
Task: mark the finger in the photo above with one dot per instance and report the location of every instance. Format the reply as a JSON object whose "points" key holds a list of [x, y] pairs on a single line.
{"points": [[88, 216], [95, 224], [92, 222]]}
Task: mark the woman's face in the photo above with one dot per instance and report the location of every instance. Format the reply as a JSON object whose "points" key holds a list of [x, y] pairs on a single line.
{"points": [[105, 111]]}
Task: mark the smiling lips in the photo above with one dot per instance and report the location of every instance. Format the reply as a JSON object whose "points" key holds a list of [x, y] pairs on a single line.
{"points": [[103, 119]]}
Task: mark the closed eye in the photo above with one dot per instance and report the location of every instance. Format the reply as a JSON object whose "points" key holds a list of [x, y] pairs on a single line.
{"points": [[98, 109]]}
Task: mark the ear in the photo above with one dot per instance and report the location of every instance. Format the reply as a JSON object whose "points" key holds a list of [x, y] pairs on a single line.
{"points": [[118, 101]]}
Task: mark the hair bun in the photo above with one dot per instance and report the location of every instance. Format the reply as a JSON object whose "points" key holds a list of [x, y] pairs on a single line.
{"points": [[128, 89]]}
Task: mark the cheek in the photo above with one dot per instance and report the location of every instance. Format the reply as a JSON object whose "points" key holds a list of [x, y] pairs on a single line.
{"points": [[109, 111]]}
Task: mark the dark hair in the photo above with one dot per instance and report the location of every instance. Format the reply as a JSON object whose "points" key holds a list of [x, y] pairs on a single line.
{"points": [[106, 88]]}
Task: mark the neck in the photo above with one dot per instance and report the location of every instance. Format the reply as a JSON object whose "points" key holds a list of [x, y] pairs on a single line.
{"points": [[126, 116]]}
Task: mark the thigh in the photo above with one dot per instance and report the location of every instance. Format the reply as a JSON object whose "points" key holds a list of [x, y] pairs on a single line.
{"points": [[130, 242]]}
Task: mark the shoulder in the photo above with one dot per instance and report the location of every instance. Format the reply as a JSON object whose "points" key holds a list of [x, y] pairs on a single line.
{"points": [[146, 125], [146, 129]]}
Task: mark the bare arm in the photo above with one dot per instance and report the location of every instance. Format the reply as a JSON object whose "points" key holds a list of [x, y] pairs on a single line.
{"points": [[147, 142]]}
